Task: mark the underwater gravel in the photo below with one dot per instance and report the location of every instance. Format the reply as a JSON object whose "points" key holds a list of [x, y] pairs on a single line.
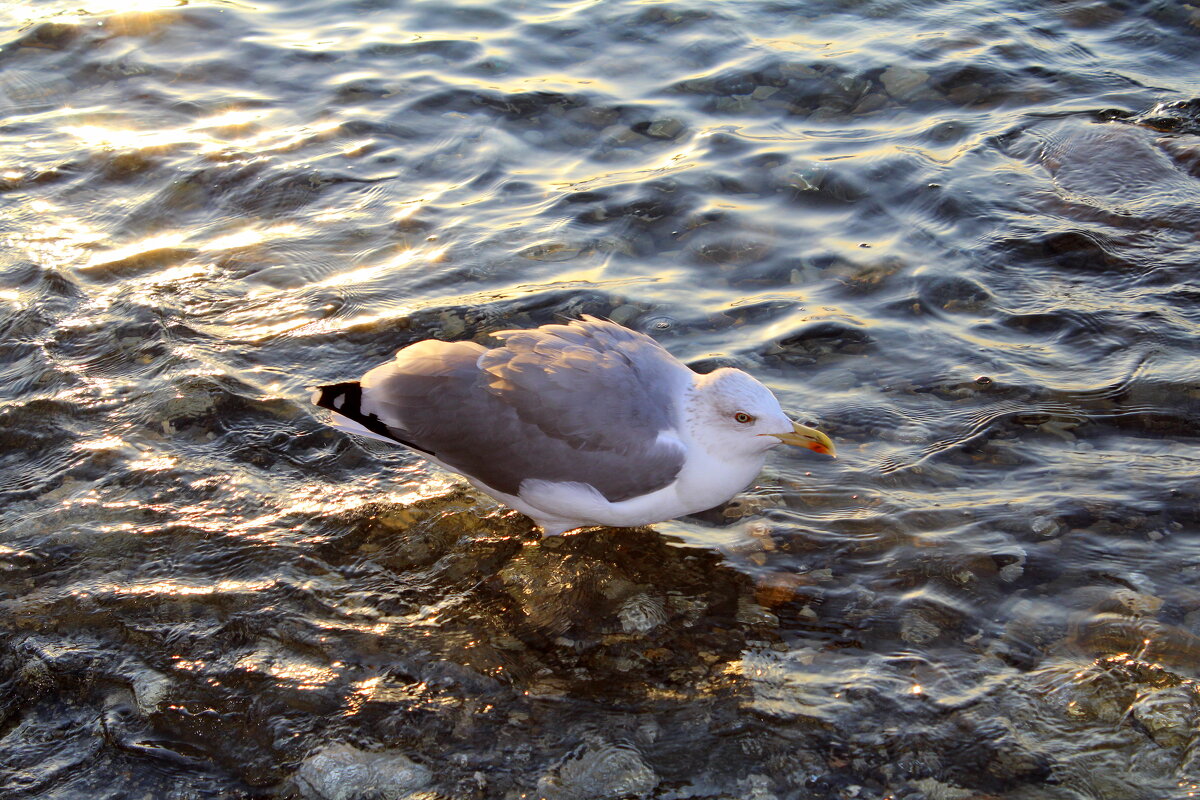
{"points": [[961, 237]]}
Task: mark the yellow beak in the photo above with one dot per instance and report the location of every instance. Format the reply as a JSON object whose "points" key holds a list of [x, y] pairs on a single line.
{"points": [[804, 436]]}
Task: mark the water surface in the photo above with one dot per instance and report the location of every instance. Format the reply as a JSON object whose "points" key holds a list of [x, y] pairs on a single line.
{"points": [[961, 236]]}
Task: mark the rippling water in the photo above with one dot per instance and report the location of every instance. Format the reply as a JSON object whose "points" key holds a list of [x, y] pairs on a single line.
{"points": [[960, 235]]}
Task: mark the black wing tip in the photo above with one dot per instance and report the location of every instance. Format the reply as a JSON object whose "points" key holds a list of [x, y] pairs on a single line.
{"points": [[343, 398]]}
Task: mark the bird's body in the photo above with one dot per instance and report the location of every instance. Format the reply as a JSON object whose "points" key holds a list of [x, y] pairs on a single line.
{"points": [[573, 425]]}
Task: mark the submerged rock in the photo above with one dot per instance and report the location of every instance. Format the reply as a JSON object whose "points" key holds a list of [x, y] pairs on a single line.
{"points": [[342, 772], [903, 83], [664, 129], [641, 613], [599, 771], [1169, 715]]}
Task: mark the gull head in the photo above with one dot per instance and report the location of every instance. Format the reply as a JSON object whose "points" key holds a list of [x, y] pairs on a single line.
{"points": [[734, 415]]}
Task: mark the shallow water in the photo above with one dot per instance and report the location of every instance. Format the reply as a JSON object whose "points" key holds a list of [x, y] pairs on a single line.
{"points": [[960, 236]]}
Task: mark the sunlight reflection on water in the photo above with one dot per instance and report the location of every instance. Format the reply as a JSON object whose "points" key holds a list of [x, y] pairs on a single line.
{"points": [[944, 233]]}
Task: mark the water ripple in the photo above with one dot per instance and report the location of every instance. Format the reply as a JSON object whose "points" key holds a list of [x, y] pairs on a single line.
{"points": [[958, 237]]}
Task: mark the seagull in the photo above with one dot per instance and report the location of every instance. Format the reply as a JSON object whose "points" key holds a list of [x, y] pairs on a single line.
{"points": [[574, 425]]}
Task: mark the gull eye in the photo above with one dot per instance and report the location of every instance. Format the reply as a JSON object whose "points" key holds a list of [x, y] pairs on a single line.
{"points": [[742, 417]]}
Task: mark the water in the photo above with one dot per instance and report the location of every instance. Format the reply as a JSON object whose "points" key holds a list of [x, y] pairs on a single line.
{"points": [[961, 236]]}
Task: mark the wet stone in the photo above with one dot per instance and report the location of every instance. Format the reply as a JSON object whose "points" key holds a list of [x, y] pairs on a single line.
{"points": [[939, 790], [151, 688], [1138, 604], [779, 588], [599, 771], [872, 102], [823, 339], [342, 772], [732, 252], [1091, 15], [623, 314], [1046, 527], [1168, 715], [1012, 565], [808, 178], [641, 613], [128, 165], [50, 35], [953, 293], [864, 277], [752, 614], [750, 505], [917, 628], [735, 104], [967, 94], [197, 580], [903, 83], [664, 129], [927, 621]]}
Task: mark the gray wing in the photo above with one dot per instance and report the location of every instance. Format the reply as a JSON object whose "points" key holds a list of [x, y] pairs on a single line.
{"points": [[583, 402], [593, 384]]}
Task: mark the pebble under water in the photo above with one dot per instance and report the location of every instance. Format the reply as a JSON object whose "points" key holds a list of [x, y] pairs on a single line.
{"points": [[960, 236]]}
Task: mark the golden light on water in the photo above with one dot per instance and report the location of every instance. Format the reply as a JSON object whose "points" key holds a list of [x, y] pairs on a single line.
{"points": [[99, 7], [406, 210], [231, 241], [283, 666], [361, 692], [794, 43], [100, 137], [230, 119], [224, 220], [162, 241], [248, 237], [189, 664], [400, 260], [320, 501], [177, 589], [161, 253], [353, 276], [245, 130], [270, 313], [153, 463], [55, 240], [122, 15]]}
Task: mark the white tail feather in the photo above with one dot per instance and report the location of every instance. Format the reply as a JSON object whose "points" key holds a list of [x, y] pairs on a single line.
{"points": [[350, 426]]}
